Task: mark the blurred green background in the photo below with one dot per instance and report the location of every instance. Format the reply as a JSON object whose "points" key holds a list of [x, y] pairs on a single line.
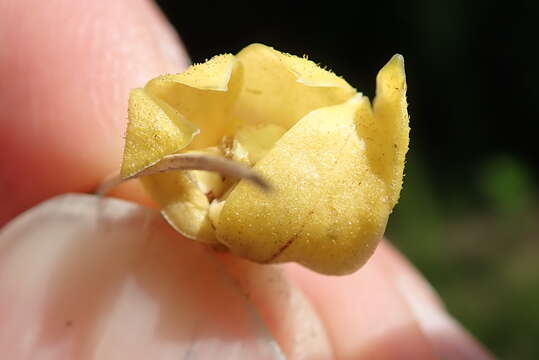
{"points": [[469, 213]]}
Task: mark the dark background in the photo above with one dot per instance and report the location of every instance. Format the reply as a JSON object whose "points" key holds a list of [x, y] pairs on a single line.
{"points": [[469, 213]]}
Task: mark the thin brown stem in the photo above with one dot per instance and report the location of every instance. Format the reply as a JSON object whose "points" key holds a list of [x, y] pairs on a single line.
{"points": [[190, 162]]}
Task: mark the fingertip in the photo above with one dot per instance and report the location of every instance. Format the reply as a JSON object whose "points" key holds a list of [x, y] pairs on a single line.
{"points": [[386, 310], [447, 337], [364, 314], [66, 79]]}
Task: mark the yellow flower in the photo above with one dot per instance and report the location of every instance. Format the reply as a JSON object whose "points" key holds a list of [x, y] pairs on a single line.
{"points": [[335, 164]]}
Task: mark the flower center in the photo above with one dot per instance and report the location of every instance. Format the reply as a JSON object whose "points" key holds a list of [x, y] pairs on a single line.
{"points": [[247, 146]]}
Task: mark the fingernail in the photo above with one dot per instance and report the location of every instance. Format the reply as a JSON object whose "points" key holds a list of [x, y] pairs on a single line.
{"points": [[84, 277]]}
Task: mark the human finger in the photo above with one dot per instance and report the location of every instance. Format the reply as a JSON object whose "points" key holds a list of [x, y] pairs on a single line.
{"points": [[67, 68], [89, 278], [386, 310]]}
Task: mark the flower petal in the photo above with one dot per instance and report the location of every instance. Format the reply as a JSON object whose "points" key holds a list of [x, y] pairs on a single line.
{"points": [[337, 173], [196, 102], [183, 204], [392, 124], [154, 130], [280, 88], [204, 94], [256, 141], [328, 209]]}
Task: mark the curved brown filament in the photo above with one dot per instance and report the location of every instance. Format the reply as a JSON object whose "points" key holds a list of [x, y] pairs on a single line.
{"points": [[174, 162]]}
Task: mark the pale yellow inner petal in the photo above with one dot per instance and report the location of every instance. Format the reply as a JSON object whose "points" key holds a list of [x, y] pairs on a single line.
{"points": [[183, 205], [210, 183], [254, 142], [205, 95], [280, 88]]}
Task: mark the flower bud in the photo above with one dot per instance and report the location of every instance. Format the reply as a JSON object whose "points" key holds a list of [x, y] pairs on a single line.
{"points": [[334, 162]]}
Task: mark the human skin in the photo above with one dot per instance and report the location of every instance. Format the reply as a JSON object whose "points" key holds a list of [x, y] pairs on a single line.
{"points": [[67, 68]]}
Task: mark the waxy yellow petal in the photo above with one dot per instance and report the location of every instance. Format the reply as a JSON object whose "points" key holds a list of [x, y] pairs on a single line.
{"points": [[173, 111], [170, 113], [154, 130], [334, 163], [337, 175], [256, 141], [328, 210], [183, 205], [204, 94], [280, 89], [392, 123]]}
